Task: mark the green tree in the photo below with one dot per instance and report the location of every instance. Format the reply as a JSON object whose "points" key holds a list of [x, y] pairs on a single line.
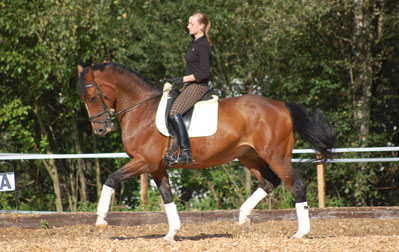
{"points": [[340, 56]]}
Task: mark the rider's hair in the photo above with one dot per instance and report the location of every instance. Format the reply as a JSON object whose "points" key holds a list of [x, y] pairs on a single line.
{"points": [[202, 19]]}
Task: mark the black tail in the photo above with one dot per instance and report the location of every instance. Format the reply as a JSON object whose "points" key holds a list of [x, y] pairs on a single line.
{"points": [[315, 129]]}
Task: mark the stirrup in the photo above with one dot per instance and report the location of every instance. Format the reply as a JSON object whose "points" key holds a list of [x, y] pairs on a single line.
{"points": [[187, 158], [184, 158]]}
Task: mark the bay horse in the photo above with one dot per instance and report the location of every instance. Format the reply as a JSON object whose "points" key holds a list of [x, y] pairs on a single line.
{"points": [[258, 131]]}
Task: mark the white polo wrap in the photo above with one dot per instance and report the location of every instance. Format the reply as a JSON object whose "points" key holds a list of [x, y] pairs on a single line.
{"points": [[105, 201], [173, 220], [250, 204], [302, 211]]}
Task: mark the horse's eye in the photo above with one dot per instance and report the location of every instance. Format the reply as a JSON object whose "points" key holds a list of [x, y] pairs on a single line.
{"points": [[93, 98]]}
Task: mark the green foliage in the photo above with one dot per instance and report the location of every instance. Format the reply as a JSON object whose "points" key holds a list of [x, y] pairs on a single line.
{"points": [[85, 206], [212, 188], [11, 116], [154, 201], [298, 51], [7, 201], [44, 224]]}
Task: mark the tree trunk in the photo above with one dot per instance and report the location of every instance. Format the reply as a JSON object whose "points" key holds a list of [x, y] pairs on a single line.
{"points": [[82, 179], [144, 190], [73, 196], [362, 67], [214, 193], [50, 164], [362, 80], [248, 183], [98, 170], [52, 171]]}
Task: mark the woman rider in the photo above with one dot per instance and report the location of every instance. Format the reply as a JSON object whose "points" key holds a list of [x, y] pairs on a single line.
{"points": [[196, 78]]}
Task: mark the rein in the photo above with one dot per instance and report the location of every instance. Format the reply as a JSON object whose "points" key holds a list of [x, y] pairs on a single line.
{"points": [[111, 111]]}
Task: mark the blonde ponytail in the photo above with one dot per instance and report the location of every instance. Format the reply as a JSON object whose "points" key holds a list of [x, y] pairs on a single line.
{"points": [[207, 28], [202, 19]]}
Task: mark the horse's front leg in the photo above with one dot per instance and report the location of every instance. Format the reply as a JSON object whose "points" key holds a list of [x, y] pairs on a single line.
{"points": [[161, 179], [133, 168], [103, 207]]}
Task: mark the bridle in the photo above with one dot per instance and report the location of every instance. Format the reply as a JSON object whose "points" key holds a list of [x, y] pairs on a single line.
{"points": [[110, 112]]}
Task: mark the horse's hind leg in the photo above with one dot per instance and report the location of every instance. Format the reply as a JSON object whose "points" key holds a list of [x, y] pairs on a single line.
{"points": [[283, 168], [267, 182], [161, 179]]}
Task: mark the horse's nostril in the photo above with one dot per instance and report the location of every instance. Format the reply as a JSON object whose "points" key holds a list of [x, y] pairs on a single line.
{"points": [[100, 131]]}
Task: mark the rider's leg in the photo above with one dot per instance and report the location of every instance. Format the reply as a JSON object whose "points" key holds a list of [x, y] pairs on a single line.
{"points": [[187, 98], [183, 140]]}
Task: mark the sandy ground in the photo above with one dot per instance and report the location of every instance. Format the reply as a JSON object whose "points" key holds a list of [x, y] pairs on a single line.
{"points": [[326, 235]]}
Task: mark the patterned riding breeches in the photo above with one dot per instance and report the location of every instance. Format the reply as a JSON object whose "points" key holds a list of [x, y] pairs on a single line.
{"points": [[187, 98]]}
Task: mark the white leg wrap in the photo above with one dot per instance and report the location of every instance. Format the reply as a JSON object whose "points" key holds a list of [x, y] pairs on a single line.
{"points": [[302, 211], [173, 220], [103, 204], [250, 204]]}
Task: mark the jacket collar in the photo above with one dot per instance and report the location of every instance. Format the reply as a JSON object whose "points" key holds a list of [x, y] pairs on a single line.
{"points": [[199, 39]]}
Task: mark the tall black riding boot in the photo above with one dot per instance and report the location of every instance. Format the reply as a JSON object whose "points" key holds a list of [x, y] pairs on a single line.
{"points": [[183, 140]]}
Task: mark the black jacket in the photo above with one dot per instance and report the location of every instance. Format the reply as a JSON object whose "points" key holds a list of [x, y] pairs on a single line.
{"points": [[198, 60]]}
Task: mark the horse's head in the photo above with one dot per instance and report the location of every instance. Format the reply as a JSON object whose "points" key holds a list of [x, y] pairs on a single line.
{"points": [[99, 99]]}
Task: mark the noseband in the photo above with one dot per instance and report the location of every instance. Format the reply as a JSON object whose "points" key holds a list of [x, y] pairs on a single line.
{"points": [[111, 114]]}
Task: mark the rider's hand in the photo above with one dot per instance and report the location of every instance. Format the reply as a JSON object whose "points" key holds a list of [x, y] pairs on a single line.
{"points": [[176, 80]]}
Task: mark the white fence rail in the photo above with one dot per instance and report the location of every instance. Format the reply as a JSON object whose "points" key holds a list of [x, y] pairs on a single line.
{"points": [[320, 167], [21, 156]]}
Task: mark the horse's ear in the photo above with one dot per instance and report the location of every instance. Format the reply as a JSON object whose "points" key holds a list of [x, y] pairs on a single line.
{"points": [[90, 72], [80, 70]]}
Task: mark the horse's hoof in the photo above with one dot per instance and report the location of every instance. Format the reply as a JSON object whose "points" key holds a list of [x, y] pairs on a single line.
{"points": [[245, 227], [244, 222], [101, 227], [298, 236], [169, 238]]}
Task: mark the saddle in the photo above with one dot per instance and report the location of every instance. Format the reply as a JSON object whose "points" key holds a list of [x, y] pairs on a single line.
{"points": [[173, 94], [200, 120]]}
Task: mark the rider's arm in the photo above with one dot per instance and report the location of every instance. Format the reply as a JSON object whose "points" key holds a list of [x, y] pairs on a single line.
{"points": [[189, 78]]}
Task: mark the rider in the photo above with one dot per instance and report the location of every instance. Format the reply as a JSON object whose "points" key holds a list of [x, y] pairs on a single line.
{"points": [[196, 78]]}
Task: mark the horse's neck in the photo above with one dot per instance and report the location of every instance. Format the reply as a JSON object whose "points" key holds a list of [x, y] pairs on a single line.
{"points": [[138, 96], [139, 121], [133, 91]]}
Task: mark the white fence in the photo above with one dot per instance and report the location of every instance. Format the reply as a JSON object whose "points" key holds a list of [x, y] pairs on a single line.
{"points": [[320, 167], [20, 156]]}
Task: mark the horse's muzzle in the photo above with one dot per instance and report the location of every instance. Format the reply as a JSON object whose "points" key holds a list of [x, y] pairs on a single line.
{"points": [[104, 128]]}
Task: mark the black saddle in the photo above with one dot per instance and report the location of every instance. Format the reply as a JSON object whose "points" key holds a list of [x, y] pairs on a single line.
{"points": [[186, 116]]}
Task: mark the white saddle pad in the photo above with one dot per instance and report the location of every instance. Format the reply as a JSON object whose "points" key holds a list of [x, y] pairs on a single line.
{"points": [[204, 119]]}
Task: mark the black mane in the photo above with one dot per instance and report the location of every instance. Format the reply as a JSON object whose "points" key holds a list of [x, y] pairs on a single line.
{"points": [[118, 68]]}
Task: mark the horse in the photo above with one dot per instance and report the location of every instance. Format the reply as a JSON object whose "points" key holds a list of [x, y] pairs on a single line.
{"points": [[256, 130]]}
